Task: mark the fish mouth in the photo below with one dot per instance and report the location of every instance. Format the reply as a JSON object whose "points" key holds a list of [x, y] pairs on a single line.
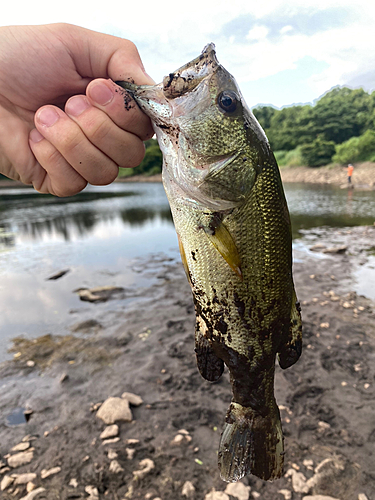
{"points": [[154, 99], [189, 76]]}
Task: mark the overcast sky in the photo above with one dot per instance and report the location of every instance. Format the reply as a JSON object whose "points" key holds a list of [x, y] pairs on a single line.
{"points": [[280, 52]]}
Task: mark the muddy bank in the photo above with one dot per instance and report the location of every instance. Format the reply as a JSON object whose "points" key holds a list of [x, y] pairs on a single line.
{"points": [[327, 399], [363, 176]]}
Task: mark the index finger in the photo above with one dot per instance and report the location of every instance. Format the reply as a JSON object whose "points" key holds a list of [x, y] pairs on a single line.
{"points": [[120, 107]]}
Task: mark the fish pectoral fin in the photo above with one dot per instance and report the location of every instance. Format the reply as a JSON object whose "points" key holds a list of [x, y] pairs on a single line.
{"points": [[291, 350], [209, 365], [183, 258], [222, 240]]}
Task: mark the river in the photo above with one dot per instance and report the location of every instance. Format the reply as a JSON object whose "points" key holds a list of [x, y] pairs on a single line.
{"points": [[104, 235]]}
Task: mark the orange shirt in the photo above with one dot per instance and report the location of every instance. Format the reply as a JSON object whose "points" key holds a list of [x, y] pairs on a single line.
{"points": [[350, 170]]}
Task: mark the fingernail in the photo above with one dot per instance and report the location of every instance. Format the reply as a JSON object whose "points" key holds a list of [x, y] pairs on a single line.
{"points": [[35, 136], [76, 105], [47, 116], [100, 93]]}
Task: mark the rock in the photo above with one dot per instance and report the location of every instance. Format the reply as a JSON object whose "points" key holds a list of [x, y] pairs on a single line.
{"points": [[341, 249], [255, 494], [216, 495], [115, 467], [133, 399], [88, 326], [109, 432], [93, 492], [6, 482], [362, 496], [58, 275], [73, 483], [33, 494], [112, 454], [286, 493], [299, 482], [238, 490], [131, 442], [130, 452], [111, 441], [188, 490], [308, 463], [146, 466], [98, 294], [318, 497], [21, 446], [30, 486], [24, 478], [114, 409], [50, 472], [30, 363], [20, 459]]}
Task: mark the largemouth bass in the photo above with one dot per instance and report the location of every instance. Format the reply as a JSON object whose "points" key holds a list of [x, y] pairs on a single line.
{"points": [[233, 226]]}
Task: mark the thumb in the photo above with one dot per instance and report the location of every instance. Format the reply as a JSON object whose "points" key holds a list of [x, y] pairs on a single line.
{"points": [[97, 55]]}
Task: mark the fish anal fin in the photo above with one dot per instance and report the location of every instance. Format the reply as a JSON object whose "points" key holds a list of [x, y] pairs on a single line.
{"points": [[290, 351], [209, 365], [222, 240]]}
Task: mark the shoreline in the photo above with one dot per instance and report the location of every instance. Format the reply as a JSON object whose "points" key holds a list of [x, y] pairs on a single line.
{"points": [[335, 175], [327, 399]]}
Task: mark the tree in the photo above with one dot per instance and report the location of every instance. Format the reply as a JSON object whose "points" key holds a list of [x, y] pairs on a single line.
{"points": [[319, 152]]}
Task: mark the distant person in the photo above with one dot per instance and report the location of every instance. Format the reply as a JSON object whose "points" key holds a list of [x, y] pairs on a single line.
{"points": [[63, 121], [350, 173]]}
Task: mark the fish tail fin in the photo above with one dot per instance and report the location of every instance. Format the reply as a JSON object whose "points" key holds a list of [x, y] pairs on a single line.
{"points": [[251, 444]]}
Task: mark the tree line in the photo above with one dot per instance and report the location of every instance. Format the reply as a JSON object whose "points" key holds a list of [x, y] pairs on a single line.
{"points": [[338, 128]]}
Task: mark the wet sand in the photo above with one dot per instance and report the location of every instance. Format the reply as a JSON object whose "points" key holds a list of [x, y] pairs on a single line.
{"points": [[145, 346]]}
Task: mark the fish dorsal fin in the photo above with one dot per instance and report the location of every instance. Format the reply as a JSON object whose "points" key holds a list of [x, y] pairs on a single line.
{"points": [[222, 240]]}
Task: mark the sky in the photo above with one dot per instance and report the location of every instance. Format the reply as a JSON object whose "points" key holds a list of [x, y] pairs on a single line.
{"points": [[280, 52]]}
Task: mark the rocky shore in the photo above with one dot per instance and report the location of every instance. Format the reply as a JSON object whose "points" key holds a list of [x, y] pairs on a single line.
{"points": [[363, 176], [116, 408]]}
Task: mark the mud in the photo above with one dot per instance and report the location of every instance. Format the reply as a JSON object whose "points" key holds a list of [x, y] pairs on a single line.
{"points": [[327, 399]]}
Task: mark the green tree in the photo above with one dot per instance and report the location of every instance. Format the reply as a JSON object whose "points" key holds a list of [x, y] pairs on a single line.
{"points": [[360, 148], [318, 153]]}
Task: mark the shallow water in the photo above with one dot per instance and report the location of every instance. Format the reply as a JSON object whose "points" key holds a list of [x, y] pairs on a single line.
{"points": [[99, 234]]}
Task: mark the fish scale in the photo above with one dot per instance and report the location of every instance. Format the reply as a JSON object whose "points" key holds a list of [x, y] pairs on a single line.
{"points": [[233, 226]]}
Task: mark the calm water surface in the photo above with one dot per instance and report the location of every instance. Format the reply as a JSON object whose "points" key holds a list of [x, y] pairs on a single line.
{"points": [[99, 234]]}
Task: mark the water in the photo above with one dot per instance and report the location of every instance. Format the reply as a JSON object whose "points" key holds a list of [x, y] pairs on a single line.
{"points": [[99, 233]]}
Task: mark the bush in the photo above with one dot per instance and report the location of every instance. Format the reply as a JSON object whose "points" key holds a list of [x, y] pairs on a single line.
{"points": [[360, 148], [318, 153], [291, 158]]}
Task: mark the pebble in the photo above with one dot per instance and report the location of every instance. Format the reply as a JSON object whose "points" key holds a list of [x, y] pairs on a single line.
{"points": [[24, 478], [146, 466], [115, 467], [308, 463], [286, 493], [238, 490], [188, 490], [21, 446], [110, 431], [73, 482], [216, 495], [324, 325], [6, 482], [20, 459], [112, 454], [298, 481], [30, 363], [130, 452], [50, 472], [93, 492], [33, 494], [318, 497], [133, 399], [255, 494], [110, 441], [114, 409], [362, 496], [30, 486]]}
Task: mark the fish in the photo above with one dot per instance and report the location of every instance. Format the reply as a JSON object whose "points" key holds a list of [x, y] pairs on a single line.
{"points": [[234, 232]]}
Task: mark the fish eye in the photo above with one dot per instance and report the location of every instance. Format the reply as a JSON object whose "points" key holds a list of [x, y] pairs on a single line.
{"points": [[227, 101]]}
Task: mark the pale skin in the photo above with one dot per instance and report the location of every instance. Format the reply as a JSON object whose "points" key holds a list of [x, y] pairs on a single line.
{"points": [[63, 122]]}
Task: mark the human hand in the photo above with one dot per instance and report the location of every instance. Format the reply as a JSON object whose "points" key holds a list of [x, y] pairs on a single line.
{"points": [[56, 78]]}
